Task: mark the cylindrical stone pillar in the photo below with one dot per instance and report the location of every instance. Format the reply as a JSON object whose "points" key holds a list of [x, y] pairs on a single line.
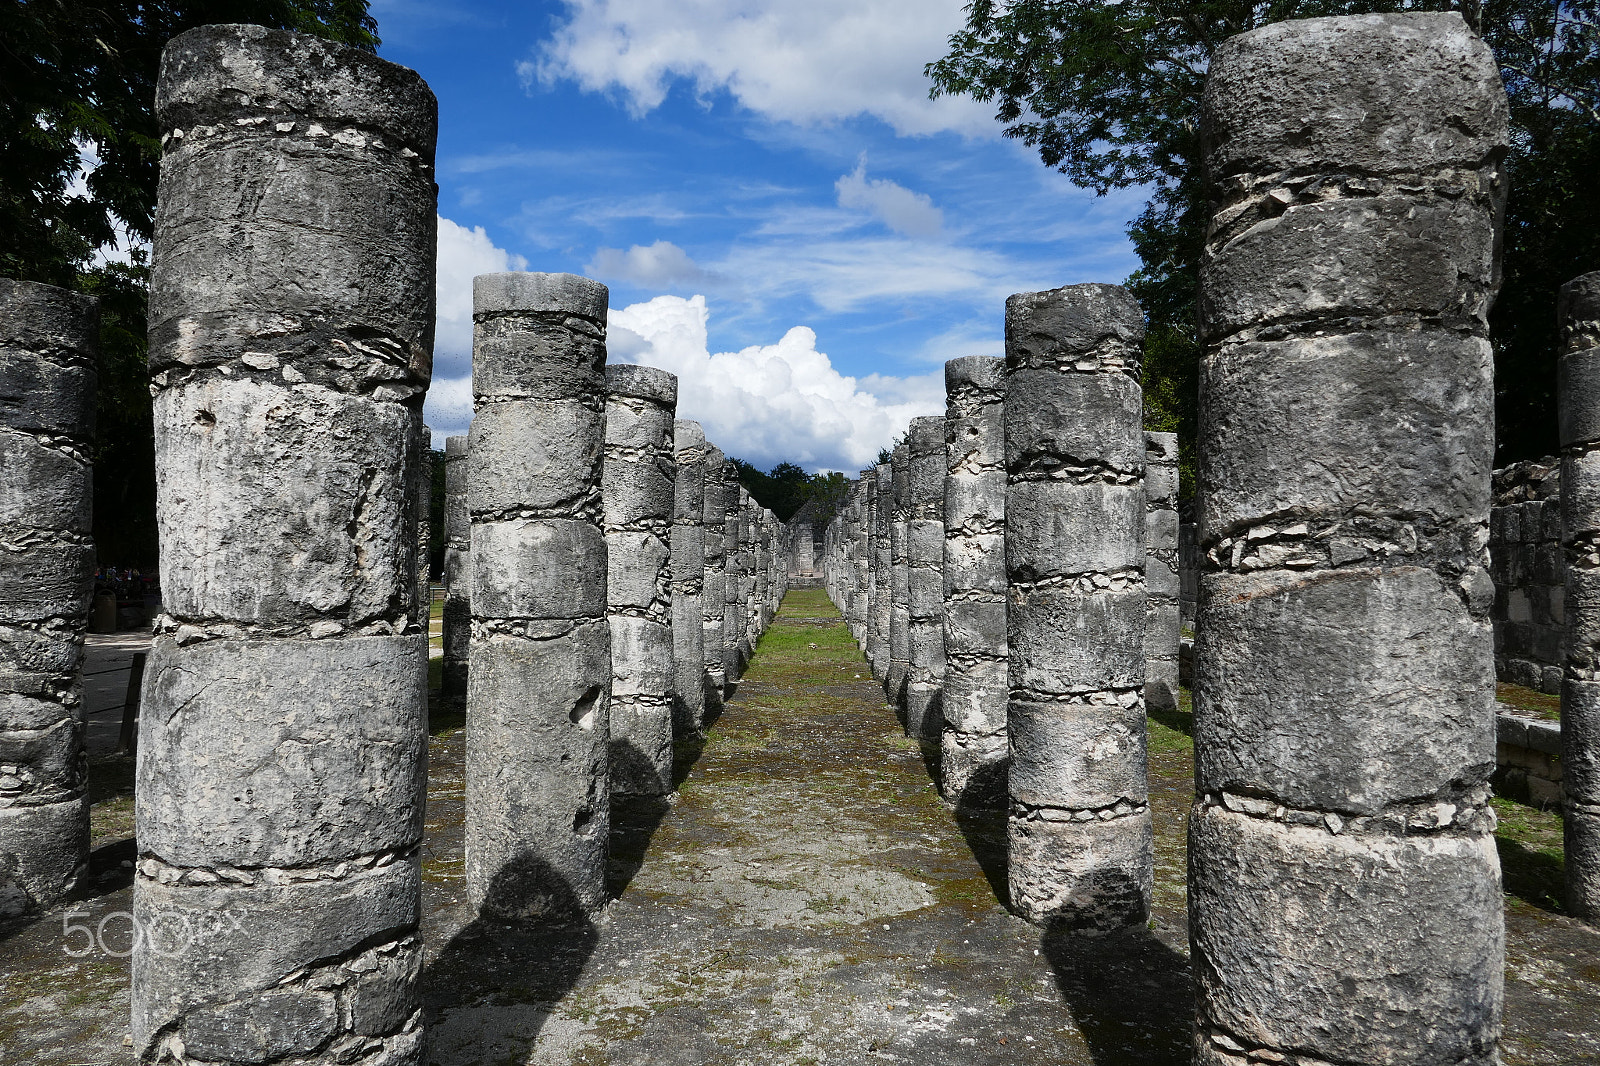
{"points": [[1344, 890], [283, 727], [733, 575], [751, 563], [538, 805], [49, 338], [1081, 847], [972, 761], [882, 565], [456, 621], [925, 583], [422, 473], [637, 492], [899, 579], [868, 480], [1578, 314], [713, 593], [763, 570], [688, 579], [1163, 628]]}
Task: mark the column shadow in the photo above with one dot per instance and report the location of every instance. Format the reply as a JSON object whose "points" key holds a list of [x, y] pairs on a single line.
{"points": [[499, 965], [1131, 995], [980, 813]]}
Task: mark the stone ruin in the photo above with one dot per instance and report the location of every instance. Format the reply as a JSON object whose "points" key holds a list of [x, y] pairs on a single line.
{"points": [[1011, 573]]}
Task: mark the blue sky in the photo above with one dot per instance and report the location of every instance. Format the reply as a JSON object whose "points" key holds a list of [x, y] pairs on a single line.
{"points": [[782, 216]]}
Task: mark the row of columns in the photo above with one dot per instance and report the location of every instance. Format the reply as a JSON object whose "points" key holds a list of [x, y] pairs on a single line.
{"points": [[1344, 888], [282, 757]]}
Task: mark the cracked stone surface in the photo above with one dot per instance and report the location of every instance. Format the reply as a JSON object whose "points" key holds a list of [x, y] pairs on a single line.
{"points": [[706, 957]]}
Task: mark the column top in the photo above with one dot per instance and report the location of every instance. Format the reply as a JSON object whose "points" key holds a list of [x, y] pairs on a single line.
{"points": [[987, 372], [1044, 329], [1399, 92], [48, 319], [529, 292], [642, 382], [1578, 314], [213, 74], [455, 448]]}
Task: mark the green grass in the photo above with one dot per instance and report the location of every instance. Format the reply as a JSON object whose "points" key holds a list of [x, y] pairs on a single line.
{"points": [[1526, 699]]}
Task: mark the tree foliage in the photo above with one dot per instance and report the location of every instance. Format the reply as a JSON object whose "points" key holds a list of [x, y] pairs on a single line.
{"points": [[1109, 93], [77, 87]]}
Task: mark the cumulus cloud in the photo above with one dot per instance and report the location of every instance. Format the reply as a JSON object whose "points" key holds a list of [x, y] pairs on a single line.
{"points": [[463, 255], [896, 206], [774, 402], [662, 265], [807, 63]]}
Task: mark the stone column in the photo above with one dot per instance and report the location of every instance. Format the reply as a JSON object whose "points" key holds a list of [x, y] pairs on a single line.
{"points": [[749, 566], [637, 489], [457, 620], [733, 581], [899, 579], [973, 752], [925, 582], [49, 339], [423, 473], [688, 579], [283, 735], [865, 556], [1081, 849], [713, 593], [882, 566], [1344, 890], [1163, 629], [1578, 318], [763, 570], [538, 805]]}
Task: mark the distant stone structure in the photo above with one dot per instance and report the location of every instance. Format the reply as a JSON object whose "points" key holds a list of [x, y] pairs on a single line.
{"points": [[688, 579], [538, 804], [1344, 890], [1530, 572], [1163, 627], [637, 490], [882, 557], [283, 734], [713, 591], [1081, 844], [456, 620], [973, 756], [422, 475], [899, 579], [49, 342], [1578, 314]]}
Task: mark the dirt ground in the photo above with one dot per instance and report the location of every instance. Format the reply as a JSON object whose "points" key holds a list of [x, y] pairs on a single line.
{"points": [[805, 898]]}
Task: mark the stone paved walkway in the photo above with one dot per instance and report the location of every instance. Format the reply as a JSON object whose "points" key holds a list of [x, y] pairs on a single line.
{"points": [[806, 899]]}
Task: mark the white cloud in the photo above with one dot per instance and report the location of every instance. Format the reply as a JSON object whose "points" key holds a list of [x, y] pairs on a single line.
{"points": [[902, 210], [463, 255], [774, 402], [662, 265], [805, 63]]}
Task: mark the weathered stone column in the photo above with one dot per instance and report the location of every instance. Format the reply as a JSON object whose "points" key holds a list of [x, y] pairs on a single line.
{"points": [[750, 565], [422, 473], [972, 761], [899, 579], [1578, 316], [457, 614], [925, 582], [283, 734], [763, 571], [713, 593], [637, 489], [1163, 629], [733, 581], [49, 339], [1344, 890], [538, 805], [882, 567], [1080, 835], [864, 555], [688, 579]]}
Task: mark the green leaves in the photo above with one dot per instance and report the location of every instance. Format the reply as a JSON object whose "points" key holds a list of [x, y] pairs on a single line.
{"points": [[1109, 94]]}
